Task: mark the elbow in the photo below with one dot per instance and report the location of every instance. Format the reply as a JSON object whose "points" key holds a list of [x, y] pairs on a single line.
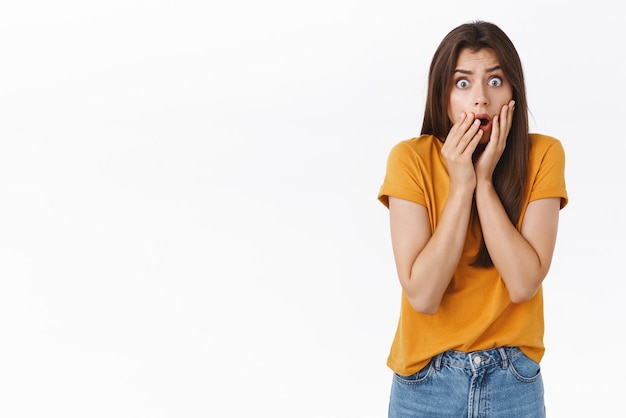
{"points": [[424, 298], [424, 306], [525, 286], [522, 295]]}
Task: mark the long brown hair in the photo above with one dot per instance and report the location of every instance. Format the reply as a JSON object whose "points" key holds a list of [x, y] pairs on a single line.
{"points": [[511, 173]]}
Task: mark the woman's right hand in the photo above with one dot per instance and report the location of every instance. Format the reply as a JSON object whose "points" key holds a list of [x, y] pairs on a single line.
{"points": [[458, 149], [427, 257]]}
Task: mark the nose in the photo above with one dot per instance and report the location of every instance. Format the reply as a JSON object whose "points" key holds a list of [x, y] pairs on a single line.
{"points": [[481, 100], [480, 97]]}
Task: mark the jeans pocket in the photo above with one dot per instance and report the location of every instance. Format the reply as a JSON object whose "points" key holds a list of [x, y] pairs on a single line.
{"points": [[416, 378], [524, 368]]}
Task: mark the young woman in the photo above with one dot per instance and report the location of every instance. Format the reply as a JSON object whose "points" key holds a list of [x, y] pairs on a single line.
{"points": [[474, 205]]}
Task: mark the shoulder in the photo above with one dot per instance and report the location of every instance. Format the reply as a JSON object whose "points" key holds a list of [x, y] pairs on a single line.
{"points": [[411, 164], [547, 168], [542, 145], [542, 142], [421, 145]]}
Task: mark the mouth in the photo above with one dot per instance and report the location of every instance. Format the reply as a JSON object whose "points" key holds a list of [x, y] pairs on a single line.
{"points": [[485, 121]]}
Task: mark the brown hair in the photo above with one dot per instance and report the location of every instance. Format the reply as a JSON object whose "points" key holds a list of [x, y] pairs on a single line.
{"points": [[511, 173]]}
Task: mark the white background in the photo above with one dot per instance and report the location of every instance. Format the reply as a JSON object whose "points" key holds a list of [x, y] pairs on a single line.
{"points": [[188, 214]]}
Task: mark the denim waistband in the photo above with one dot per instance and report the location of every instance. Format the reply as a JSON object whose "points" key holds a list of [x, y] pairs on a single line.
{"points": [[476, 360]]}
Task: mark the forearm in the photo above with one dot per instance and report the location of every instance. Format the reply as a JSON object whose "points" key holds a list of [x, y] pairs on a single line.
{"points": [[513, 256], [434, 266]]}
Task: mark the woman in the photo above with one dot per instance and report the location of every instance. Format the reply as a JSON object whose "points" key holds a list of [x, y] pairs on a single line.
{"points": [[474, 205]]}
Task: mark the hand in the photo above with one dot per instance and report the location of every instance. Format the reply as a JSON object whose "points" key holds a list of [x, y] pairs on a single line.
{"points": [[486, 163], [458, 148]]}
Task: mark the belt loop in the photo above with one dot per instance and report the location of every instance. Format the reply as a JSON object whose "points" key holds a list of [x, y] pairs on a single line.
{"points": [[504, 356], [438, 361]]}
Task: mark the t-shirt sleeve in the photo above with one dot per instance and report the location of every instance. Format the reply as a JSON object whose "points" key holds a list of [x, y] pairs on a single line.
{"points": [[550, 178], [402, 178]]}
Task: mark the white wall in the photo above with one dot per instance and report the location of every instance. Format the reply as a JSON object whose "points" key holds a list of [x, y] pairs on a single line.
{"points": [[188, 214]]}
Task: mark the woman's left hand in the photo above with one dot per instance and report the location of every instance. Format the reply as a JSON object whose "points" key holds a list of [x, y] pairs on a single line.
{"points": [[486, 163]]}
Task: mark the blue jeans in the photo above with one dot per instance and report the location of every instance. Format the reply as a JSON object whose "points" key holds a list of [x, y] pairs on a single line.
{"points": [[501, 382]]}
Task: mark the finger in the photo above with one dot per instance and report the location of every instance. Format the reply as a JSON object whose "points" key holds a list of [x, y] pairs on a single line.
{"points": [[463, 131], [468, 136], [504, 122], [455, 129], [470, 120], [474, 141], [510, 114], [471, 133], [464, 122], [495, 130]]}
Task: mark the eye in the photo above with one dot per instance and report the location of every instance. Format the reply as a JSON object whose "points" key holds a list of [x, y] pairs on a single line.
{"points": [[495, 82], [462, 83]]}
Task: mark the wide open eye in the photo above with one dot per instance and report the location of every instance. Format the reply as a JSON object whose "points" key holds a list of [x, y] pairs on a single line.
{"points": [[462, 83], [495, 82]]}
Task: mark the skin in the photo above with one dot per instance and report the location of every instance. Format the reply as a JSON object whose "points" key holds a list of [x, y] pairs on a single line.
{"points": [[426, 261]]}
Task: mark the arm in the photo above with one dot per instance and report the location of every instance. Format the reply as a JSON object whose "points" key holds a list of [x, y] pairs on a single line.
{"points": [[426, 260], [522, 258]]}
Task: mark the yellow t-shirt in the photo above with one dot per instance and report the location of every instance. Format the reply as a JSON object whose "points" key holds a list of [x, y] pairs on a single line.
{"points": [[476, 312]]}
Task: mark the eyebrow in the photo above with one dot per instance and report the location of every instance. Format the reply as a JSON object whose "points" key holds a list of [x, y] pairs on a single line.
{"points": [[489, 70]]}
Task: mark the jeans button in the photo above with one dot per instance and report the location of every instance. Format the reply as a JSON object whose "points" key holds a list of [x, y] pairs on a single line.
{"points": [[477, 360]]}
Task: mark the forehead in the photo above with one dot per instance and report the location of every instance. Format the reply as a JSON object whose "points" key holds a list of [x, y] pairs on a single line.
{"points": [[469, 59]]}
